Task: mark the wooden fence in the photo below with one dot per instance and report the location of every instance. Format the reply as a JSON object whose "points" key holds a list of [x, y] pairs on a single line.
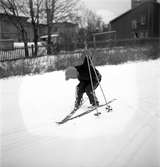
{"points": [[17, 53]]}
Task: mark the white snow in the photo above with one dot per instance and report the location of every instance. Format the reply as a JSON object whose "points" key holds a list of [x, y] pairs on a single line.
{"points": [[21, 44], [128, 136]]}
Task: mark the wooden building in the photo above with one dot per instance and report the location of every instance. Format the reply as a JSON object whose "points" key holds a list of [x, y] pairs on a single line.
{"points": [[143, 21], [8, 29], [66, 30], [135, 3]]}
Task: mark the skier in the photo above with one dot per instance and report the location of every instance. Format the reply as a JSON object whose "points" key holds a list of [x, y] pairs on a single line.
{"points": [[89, 78]]}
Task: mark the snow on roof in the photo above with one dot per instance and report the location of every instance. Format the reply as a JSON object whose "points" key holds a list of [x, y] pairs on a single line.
{"points": [[53, 35]]}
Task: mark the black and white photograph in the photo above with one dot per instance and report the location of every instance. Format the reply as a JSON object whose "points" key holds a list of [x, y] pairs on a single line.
{"points": [[79, 83]]}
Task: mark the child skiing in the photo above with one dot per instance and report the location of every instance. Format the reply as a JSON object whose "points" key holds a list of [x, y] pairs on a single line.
{"points": [[89, 78]]}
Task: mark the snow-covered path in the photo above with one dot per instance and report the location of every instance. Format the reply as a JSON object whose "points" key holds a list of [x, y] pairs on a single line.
{"points": [[128, 136]]}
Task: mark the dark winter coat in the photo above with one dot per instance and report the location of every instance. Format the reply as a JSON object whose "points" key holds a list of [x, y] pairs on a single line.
{"points": [[83, 71]]}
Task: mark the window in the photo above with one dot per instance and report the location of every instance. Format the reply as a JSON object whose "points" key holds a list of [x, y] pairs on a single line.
{"points": [[143, 20], [134, 24]]}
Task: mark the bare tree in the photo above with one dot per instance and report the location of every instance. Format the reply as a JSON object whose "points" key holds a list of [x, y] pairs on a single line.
{"points": [[89, 22], [35, 9], [50, 10], [13, 8], [58, 11], [91, 19]]}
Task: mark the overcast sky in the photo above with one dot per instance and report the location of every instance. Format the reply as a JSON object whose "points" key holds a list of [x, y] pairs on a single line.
{"points": [[109, 9]]}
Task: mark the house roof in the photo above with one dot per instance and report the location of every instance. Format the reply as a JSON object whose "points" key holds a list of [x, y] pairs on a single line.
{"points": [[60, 23], [139, 6], [9, 15], [4, 14], [27, 22]]}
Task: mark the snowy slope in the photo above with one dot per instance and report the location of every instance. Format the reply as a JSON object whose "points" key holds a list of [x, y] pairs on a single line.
{"points": [[128, 136]]}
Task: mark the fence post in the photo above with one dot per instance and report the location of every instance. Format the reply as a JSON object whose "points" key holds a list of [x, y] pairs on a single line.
{"points": [[32, 51]]}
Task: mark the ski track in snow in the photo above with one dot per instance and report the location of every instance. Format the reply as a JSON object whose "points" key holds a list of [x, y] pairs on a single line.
{"points": [[31, 105]]}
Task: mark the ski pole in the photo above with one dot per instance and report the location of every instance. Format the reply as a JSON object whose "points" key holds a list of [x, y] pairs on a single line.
{"points": [[91, 79], [92, 83], [98, 80]]}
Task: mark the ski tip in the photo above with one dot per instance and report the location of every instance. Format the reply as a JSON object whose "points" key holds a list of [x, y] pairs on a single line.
{"points": [[59, 123]]}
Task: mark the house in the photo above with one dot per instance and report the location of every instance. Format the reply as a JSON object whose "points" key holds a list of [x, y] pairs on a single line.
{"points": [[136, 3], [8, 29], [66, 31], [142, 21]]}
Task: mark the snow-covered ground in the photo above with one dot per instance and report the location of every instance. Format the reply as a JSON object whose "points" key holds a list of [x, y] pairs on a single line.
{"points": [[128, 136]]}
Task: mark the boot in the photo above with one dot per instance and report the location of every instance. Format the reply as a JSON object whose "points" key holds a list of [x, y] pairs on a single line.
{"points": [[78, 103], [93, 99], [95, 104]]}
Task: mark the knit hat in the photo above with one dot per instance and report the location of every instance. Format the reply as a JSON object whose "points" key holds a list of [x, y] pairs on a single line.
{"points": [[71, 72]]}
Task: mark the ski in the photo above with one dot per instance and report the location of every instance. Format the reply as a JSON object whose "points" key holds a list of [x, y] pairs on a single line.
{"points": [[69, 117], [108, 108], [70, 114]]}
